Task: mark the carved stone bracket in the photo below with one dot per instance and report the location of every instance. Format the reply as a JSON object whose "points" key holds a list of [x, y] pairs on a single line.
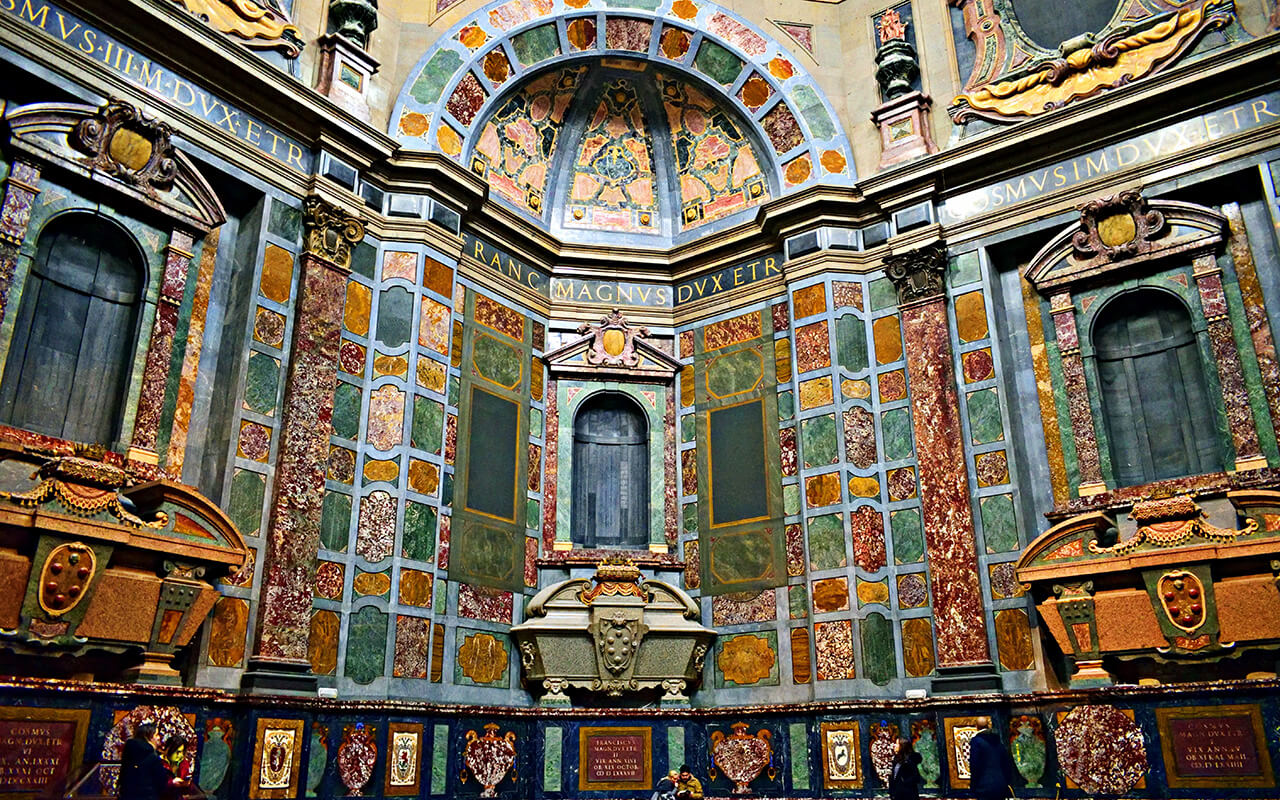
{"points": [[125, 143], [330, 231], [918, 274]]}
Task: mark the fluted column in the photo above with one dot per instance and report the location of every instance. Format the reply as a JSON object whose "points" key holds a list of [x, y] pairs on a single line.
{"points": [[279, 662], [964, 659]]}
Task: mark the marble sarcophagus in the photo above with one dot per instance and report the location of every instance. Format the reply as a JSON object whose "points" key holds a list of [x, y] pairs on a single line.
{"points": [[612, 635]]}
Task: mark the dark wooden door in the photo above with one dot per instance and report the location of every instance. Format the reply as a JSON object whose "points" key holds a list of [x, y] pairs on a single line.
{"points": [[68, 367], [1159, 419], [610, 506]]}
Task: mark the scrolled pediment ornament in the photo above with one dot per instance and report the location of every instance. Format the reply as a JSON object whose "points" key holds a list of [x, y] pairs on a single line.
{"points": [[613, 341], [125, 143], [330, 231], [1119, 226], [918, 274]]}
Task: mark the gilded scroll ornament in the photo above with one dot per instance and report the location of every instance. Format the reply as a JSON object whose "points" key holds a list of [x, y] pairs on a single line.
{"points": [[1171, 522], [1126, 50], [254, 25]]}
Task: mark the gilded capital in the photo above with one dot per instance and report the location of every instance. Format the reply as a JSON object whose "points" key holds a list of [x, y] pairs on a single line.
{"points": [[918, 274], [330, 231]]}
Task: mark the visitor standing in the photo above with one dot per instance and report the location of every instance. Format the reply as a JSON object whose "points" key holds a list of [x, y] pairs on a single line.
{"points": [[143, 774], [904, 779], [990, 767]]}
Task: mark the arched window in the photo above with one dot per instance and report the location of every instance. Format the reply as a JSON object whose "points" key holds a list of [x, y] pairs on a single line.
{"points": [[68, 366], [610, 473], [1159, 419]]}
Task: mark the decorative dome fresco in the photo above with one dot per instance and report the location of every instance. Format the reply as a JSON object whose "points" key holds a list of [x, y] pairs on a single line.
{"points": [[597, 149], [642, 126]]}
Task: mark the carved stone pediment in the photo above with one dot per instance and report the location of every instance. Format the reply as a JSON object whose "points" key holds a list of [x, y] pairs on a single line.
{"points": [[117, 146], [1120, 234], [612, 348]]}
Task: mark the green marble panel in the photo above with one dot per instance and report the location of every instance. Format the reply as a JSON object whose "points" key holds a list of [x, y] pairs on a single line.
{"points": [[827, 542], [646, 5], [454, 389], [395, 316], [675, 746], [435, 74], [688, 428], [419, 540], [428, 423], [896, 425], [786, 405], [851, 343], [999, 523], [819, 441], [791, 500], [690, 518], [908, 537], [335, 521], [364, 259], [535, 423], [984, 416], [262, 383], [532, 514], [964, 269], [366, 645], [442, 597], [798, 601], [799, 740], [248, 490], [878, 658], [285, 221], [536, 45], [735, 373], [814, 112], [496, 361], [439, 758], [346, 410], [717, 63], [881, 294], [552, 759]]}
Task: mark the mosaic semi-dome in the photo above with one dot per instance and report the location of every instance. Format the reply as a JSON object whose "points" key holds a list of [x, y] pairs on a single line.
{"points": [[620, 149]]}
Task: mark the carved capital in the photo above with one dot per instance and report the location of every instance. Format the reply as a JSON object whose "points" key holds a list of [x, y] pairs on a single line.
{"points": [[354, 19], [918, 274], [123, 142], [330, 231]]}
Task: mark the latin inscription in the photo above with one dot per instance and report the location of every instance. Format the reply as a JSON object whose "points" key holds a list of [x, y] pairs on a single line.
{"points": [[1166, 141], [729, 278], [1214, 747], [616, 759], [568, 290], [34, 754], [157, 81]]}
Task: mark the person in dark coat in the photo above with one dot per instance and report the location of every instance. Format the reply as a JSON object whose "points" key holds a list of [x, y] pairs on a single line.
{"points": [[990, 766], [904, 779], [143, 774]]}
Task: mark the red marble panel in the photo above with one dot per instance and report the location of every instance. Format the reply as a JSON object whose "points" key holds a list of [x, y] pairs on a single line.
{"points": [[531, 562], [670, 491], [689, 471], [552, 476], [466, 99], [866, 526], [732, 331], [813, 347], [787, 442], [859, 437], [726, 610], [847, 295], [795, 549], [947, 514], [442, 552], [833, 643], [484, 603], [493, 314], [686, 344], [781, 319], [413, 636]]}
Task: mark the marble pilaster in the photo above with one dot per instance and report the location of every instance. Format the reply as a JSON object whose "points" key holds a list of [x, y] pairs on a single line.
{"points": [[155, 375], [20, 192], [964, 659], [1082, 430], [280, 662], [1235, 396]]}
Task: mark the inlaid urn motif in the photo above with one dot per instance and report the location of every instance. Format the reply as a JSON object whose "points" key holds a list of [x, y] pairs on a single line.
{"points": [[490, 757], [742, 756]]}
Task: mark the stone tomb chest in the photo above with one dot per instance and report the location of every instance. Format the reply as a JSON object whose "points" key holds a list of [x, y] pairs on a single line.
{"points": [[612, 635]]}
